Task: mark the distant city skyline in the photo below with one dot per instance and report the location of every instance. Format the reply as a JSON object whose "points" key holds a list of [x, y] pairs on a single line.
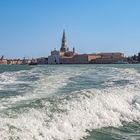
{"points": [[32, 28]]}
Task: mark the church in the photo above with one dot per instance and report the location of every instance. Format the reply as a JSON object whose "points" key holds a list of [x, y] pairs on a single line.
{"points": [[65, 56], [64, 52]]}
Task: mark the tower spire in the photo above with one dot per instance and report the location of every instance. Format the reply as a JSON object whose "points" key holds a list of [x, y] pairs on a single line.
{"points": [[63, 43], [64, 37]]}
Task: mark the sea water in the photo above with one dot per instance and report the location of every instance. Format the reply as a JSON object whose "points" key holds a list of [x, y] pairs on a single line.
{"points": [[70, 102]]}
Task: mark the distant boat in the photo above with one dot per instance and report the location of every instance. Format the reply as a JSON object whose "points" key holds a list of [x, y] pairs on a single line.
{"points": [[32, 63]]}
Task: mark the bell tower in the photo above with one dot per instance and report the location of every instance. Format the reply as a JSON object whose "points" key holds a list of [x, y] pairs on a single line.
{"points": [[64, 47]]}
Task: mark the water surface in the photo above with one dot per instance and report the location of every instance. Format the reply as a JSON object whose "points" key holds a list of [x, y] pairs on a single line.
{"points": [[70, 102]]}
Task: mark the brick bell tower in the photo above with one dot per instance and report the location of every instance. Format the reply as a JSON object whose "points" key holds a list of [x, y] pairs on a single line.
{"points": [[64, 47]]}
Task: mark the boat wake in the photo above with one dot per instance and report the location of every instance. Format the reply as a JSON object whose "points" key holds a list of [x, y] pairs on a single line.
{"points": [[73, 115]]}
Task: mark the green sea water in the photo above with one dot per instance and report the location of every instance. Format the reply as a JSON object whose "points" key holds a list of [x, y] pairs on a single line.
{"points": [[70, 102]]}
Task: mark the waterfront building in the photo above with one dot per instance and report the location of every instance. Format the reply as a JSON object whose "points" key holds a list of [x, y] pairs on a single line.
{"points": [[79, 59], [3, 61], [109, 58], [14, 61], [54, 58], [138, 57], [65, 56]]}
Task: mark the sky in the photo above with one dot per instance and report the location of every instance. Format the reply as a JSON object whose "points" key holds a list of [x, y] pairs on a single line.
{"points": [[32, 28]]}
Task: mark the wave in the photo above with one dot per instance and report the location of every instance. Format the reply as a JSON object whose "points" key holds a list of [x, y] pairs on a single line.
{"points": [[42, 86], [90, 109], [70, 116]]}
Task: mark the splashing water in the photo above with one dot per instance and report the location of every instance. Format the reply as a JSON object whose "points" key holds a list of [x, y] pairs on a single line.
{"points": [[70, 102]]}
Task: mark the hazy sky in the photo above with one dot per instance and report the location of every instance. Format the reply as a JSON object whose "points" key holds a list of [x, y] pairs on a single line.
{"points": [[32, 28]]}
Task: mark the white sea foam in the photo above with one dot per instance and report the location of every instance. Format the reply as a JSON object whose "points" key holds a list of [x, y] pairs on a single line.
{"points": [[11, 78], [44, 86], [84, 110], [6, 78], [91, 109]]}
